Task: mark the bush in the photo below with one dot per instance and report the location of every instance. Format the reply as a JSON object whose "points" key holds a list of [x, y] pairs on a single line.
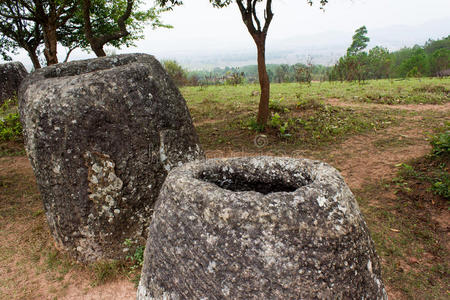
{"points": [[10, 127], [441, 186], [441, 143]]}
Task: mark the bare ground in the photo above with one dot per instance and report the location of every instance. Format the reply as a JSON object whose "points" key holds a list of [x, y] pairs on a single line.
{"points": [[361, 159]]}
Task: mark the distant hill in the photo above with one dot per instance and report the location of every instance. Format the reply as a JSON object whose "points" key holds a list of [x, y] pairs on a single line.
{"points": [[324, 48]]}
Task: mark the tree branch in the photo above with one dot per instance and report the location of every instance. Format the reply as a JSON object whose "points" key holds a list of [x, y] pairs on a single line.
{"points": [[268, 15], [28, 18], [68, 14], [97, 42], [255, 17], [87, 20], [70, 51], [247, 15]]}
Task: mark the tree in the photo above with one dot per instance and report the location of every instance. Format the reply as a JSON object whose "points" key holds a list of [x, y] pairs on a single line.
{"points": [[116, 23], [178, 74], [379, 62], [19, 33], [440, 61], [258, 32], [432, 46], [281, 73], [417, 64], [29, 23], [98, 39], [48, 16], [353, 66], [359, 41]]}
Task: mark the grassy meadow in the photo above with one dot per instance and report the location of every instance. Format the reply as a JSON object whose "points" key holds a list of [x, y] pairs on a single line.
{"points": [[382, 135]]}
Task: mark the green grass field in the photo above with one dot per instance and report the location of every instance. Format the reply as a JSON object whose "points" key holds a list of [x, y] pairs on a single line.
{"points": [[301, 114]]}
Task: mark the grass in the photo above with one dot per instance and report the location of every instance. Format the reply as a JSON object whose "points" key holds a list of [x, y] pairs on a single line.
{"points": [[408, 239], [10, 129], [217, 102], [401, 212], [405, 225]]}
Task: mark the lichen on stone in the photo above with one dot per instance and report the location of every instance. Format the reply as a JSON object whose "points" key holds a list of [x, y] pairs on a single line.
{"points": [[104, 186]]}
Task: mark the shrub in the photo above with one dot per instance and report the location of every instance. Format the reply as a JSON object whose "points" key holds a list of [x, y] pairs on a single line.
{"points": [[441, 185], [278, 105], [10, 127], [441, 143]]}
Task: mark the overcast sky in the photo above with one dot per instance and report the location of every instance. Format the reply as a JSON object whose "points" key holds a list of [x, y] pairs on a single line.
{"points": [[198, 24], [198, 27]]}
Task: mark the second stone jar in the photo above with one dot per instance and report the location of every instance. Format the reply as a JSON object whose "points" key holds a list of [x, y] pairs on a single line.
{"points": [[258, 228]]}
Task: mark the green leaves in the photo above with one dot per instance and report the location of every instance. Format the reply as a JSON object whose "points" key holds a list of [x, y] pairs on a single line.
{"points": [[10, 127], [360, 40], [441, 143]]}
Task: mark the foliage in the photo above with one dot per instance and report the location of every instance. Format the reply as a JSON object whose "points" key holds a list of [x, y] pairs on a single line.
{"points": [[251, 124], [354, 65], [432, 59], [282, 126], [441, 185], [257, 27], [359, 42], [281, 73], [436, 175], [278, 105], [378, 63], [295, 73], [10, 128], [234, 78], [176, 72], [440, 143], [34, 24], [18, 33], [114, 23], [432, 169], [439, 60], [137, 258]]}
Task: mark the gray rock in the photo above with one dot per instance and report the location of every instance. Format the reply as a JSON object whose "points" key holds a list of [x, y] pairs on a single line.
{"points": [[258, 228], [101, 135], [11, 75]]}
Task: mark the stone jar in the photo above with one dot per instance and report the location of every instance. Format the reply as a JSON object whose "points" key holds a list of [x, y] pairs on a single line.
{"points": [[101, 135], [258, 228], [11, 75]]}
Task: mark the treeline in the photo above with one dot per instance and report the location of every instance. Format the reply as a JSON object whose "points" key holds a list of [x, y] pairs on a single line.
{"points": [[246, 74], [277, 73], [429, 60]]}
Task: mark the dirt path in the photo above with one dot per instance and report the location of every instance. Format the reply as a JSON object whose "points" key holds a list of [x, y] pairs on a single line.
{"points": [[361, 161]]}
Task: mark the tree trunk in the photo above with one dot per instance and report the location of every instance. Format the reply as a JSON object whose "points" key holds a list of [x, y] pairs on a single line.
{"points": [[50, 40], [98, 50], [34, 59], [263, 111]]}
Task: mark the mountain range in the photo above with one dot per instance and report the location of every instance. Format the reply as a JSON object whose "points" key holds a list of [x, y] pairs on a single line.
{"points": [[324, 48]]}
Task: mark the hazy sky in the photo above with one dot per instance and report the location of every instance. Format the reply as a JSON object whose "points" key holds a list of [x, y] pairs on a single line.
{"points": [[198, 24], [198, 27]]}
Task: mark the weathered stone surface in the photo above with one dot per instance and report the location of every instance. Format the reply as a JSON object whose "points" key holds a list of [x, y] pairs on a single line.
{"points": [[11, 75], [101, 135], [258, 228]]}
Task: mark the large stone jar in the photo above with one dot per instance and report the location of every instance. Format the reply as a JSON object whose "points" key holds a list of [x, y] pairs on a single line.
{"points": [[11, 75], [101, 135], [258, 228]]}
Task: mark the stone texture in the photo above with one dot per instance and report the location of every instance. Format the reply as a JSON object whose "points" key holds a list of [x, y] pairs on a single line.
{"points": [[101, 135], [11, 75], [258, 228]]}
